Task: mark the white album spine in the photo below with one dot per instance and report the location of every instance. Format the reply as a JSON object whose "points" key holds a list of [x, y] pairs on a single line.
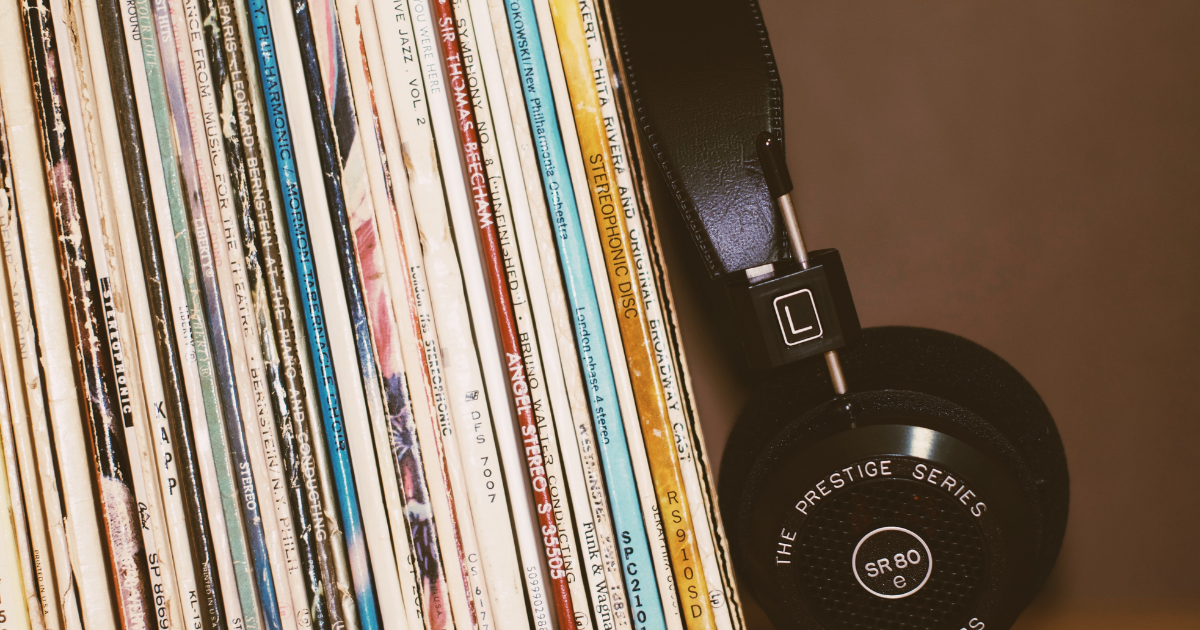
{"points": [[14, 610], [84, 592], [343, 588], [127, 305], [20, 606], [43, 529], [360, 439], [535, 237], [507, 183], [406, 275], [162, 450], [182, 319], [502, 428], [258, 416], [451, 368], [98, 199], [358, 190], [435, 177]]}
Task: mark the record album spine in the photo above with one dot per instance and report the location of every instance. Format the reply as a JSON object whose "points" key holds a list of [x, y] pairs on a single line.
{"points": [[174, 444], [19, 604], [107, 199], [336, 130], [78, 553], [245, 346], [312, 117], [404, 272], [93, 365], [200, 424], [14, 611], [26, 410], [645, 608], [255, 187], [695, 472], [161, 382], [486, 187], [311, 296], [285, 296], [501, 432], [590, 542], [691, 585], [78, 556], [655, 532], [408, 456], [209, 335], [552, 315], [450, 279], [436, 304], [18, 596]]}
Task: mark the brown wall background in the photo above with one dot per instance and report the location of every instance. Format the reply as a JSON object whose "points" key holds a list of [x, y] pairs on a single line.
{"points": [[1026, 174]]}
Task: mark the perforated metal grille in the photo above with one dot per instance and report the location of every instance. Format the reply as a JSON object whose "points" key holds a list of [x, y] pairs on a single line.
{"points": [[830, 533]]}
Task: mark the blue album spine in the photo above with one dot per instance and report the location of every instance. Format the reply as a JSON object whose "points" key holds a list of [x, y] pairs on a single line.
{"points": [[314, 318], [646, 608]]}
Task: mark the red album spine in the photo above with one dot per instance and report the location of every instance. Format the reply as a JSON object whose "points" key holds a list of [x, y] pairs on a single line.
{"points": [[502, 301]]}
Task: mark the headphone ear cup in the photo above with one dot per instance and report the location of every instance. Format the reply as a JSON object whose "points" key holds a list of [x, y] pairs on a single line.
{"points": [[928, 362]]}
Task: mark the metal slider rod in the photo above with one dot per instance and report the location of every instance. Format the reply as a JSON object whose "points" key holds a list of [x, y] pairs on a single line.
{"points": [[779, 182]]}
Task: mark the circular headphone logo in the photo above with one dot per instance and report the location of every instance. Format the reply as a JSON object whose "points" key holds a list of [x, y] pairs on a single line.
{"points": [[892, 562]]}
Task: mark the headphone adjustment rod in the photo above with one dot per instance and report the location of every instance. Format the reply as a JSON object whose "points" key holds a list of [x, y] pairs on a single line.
{"points": [[792, 314]]}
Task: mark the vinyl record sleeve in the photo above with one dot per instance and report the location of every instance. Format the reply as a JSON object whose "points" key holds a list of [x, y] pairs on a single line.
{"points": [[336, 128], [78, 560], [553, 413], [316, 467], [202, 331], [27, 408], [226, 572], [691, 585], [513, 318], [320, 550], [14, 611], [535, 237], [171, 435], [67, 146], [245, 346], [687, 402], [18, 589], [638, 168], [389, 186], [632, 192], [139, 388], [332, 344], [442, 473], [408, 456], [498, 588], [325, 379], [500, 433], [20, 607], [449, 370], [599, 354]]}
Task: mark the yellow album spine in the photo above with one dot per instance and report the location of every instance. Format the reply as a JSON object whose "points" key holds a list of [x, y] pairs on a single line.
{"points": [[631, 310]]}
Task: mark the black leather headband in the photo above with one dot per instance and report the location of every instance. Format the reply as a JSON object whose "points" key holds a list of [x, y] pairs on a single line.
{"points": [[704, 85]]}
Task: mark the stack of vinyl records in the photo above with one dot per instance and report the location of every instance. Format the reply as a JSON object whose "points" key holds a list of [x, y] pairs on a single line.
{"points": [[338, 314]]}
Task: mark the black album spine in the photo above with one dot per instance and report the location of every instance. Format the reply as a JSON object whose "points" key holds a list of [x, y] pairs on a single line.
{"points": [[92, 357], [175, 398]]}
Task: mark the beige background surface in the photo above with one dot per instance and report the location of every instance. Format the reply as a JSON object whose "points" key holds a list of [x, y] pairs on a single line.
{"points": [[1025, 174]]}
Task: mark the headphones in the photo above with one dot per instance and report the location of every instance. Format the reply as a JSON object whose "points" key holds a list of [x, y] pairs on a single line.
{"points": [[891, 477]]}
